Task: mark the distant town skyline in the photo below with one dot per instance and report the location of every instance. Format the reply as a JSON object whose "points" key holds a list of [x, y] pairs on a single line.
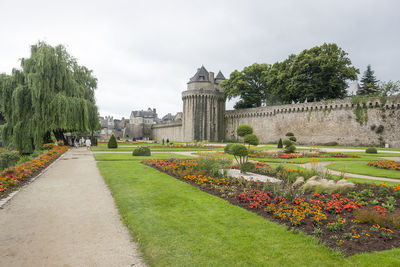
{"points": [[143, 53]]}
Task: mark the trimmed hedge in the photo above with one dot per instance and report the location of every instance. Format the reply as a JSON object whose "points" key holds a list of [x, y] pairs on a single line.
{"points": [[371, 150], [141, 151]]}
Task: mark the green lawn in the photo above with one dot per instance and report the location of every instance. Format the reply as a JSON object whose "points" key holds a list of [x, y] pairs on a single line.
{"points": [[125, 156], [125, 148], [362, 157], [176, 224], [363, 168]]}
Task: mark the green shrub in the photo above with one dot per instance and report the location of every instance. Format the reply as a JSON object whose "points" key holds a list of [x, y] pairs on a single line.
{"points": [[228, 147], [24, 158], [8, 158], [371, 150], [247, 167], [280, 144], [290, 149], [251, 139], [141, 151], [47, 146], [112, 143], [287, 143], [240, 153], [243, 130]]}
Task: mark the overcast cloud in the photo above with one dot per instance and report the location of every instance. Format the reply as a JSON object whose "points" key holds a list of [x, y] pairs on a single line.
{"points": [[144, 52]]}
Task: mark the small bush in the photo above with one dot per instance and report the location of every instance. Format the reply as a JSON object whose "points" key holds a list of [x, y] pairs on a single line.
{"points": [[141, 151], [112, 143], [47, 146], [60, 142], [243, 130], [293, 139], [228, 147], [288, 134], [287, 142], [290, 149], [280, 144], [240, 153], [251, 139], [371, 150], [247, 167], [8, 158]]}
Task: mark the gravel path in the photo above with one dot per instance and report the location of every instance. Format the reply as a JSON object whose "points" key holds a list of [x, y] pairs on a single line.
{"points": [[67, 217]]}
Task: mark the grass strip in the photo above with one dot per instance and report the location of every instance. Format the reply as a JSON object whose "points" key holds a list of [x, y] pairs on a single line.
{"points": [[363, 168]]}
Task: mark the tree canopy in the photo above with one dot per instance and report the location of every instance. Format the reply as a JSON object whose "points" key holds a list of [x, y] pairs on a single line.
{"points": [[318, 73], [50, 94], [249, 84], [369, 83]]}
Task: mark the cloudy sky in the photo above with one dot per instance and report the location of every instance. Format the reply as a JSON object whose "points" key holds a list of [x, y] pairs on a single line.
{"points": [[144, 52]]}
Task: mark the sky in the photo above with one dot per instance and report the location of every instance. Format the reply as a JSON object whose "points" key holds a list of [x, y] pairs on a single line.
{"points": [[144, 52]]}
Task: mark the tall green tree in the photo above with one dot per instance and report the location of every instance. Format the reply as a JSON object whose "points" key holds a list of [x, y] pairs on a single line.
{"points": [[50, 94], [321, 72], [318, 73], [369, 83], [249, 84]]}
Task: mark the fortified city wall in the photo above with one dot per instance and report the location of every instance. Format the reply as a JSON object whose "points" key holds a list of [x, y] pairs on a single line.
{"points": [[323, 122], [170, 130]]}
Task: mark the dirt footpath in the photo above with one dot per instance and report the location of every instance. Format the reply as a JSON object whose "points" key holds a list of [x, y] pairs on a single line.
{"points": [[67, 217]]}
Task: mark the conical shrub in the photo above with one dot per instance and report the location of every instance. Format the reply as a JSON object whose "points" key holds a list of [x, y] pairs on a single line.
{"points": [[280, 145], [112, 143]]}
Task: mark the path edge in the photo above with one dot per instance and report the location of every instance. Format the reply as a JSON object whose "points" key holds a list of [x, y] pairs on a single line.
{"points": [[5, 200]]}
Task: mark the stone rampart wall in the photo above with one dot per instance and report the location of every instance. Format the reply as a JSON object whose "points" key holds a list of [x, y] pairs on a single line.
{"points": [[322, 122], [171, 130]]}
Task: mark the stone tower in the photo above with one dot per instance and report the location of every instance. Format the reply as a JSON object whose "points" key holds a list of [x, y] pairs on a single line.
{"points": [[204, 107]]}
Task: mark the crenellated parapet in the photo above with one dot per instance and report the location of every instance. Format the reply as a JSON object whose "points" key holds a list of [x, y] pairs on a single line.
{"points": [[331, 105]]}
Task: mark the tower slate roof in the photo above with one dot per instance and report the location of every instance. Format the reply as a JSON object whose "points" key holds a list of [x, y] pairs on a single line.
{"points": [[220, 76], [200, 76]]}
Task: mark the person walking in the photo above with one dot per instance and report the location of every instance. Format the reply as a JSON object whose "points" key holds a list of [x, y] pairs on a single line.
{"points": [[76, 141], [88, 143]]}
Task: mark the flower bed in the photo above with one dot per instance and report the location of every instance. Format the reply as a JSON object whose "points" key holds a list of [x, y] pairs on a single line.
{"points": [[385, 164], [13, 177], [291, 156], [342, 155], [364, 219]]}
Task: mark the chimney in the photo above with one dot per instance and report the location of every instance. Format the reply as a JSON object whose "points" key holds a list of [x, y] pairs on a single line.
{"points": [[211, 76]]}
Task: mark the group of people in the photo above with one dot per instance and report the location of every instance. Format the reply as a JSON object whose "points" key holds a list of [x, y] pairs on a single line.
{"points": [[82, 142]]}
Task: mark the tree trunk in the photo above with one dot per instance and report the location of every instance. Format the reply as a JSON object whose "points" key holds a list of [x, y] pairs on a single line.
{"points": [[59, 134], [47, 138]]}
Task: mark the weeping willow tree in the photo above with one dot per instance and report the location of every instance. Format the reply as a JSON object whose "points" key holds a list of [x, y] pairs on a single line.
{"points": [[50, 94]]}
